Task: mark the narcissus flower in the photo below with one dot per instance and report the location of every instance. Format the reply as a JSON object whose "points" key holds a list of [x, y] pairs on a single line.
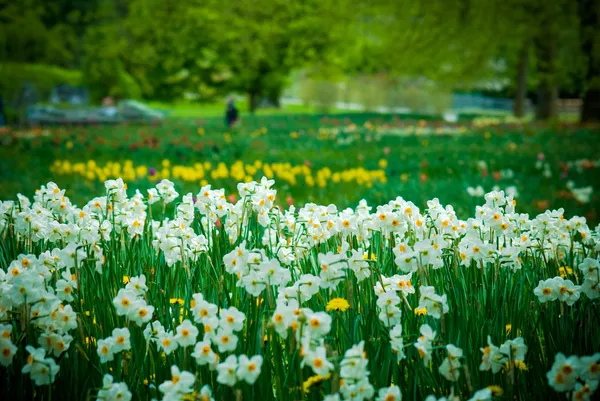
{"points": [[227, 371], [391, 393], [7, 351], [249, 368]]}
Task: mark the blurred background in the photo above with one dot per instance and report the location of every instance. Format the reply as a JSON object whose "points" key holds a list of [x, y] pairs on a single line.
{"points": [[337, 100]]}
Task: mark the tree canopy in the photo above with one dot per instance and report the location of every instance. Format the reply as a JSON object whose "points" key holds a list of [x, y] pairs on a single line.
{"points": [[202, 49]]}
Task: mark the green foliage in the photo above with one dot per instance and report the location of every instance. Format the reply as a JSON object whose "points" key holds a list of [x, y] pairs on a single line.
{"points": [[107, 77], [449, 161], [170, 50], [43, 78], [26, 38], [182, 56]]}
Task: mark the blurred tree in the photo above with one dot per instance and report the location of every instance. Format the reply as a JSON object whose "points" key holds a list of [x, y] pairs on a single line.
{"points": [[266, 39], [202, 49], [514, 44], [30, 34], [589, 14], [444, 41], [174, 49], [105, 47]]}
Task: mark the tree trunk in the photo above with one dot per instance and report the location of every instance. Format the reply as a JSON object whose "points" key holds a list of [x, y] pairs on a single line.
{"points": [[589, 14], [252, 101], [521, 92], [273, 93], [276, 101], [590, 109], [546, 107], [547, 93]]}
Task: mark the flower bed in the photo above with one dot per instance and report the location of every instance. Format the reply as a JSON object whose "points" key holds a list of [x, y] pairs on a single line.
{"points": [[162, 296]]}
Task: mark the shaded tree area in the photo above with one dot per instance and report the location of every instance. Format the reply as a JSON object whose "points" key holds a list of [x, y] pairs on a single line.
{"points": [[201, 50], [589, 14]]}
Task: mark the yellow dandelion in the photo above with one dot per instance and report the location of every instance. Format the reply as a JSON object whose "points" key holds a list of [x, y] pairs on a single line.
{"points": [[420, 312], [521, 365], [564, 271], [366, 256], [496, 390], [125, 279], [190, 397], [337, 304], [508, 328], [313, 380]]}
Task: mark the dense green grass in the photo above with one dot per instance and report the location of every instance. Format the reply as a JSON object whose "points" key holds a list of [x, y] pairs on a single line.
{"points": [[418, 167], [409, 158], [485, 298], [216, 109]]}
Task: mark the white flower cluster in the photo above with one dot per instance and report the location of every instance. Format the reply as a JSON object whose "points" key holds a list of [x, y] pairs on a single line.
{"points": [[42, 369], [540, 164], [119, 341], [578, 374], [26, 286], [259, 196], [181, 387], [479, 192], [176, 238], [435, 305], [112, 391], [235, 369], [450, 367], [255, 271], [130, 301], [496, 358], [424, 343], [291, 259], [353, 370], [355, 376], [581, 194], [558, 288], [388, 292]]}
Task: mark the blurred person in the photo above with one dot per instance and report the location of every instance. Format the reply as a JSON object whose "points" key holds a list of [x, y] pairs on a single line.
{"points": [[2, 119], [231, 113], [108, 105]]}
